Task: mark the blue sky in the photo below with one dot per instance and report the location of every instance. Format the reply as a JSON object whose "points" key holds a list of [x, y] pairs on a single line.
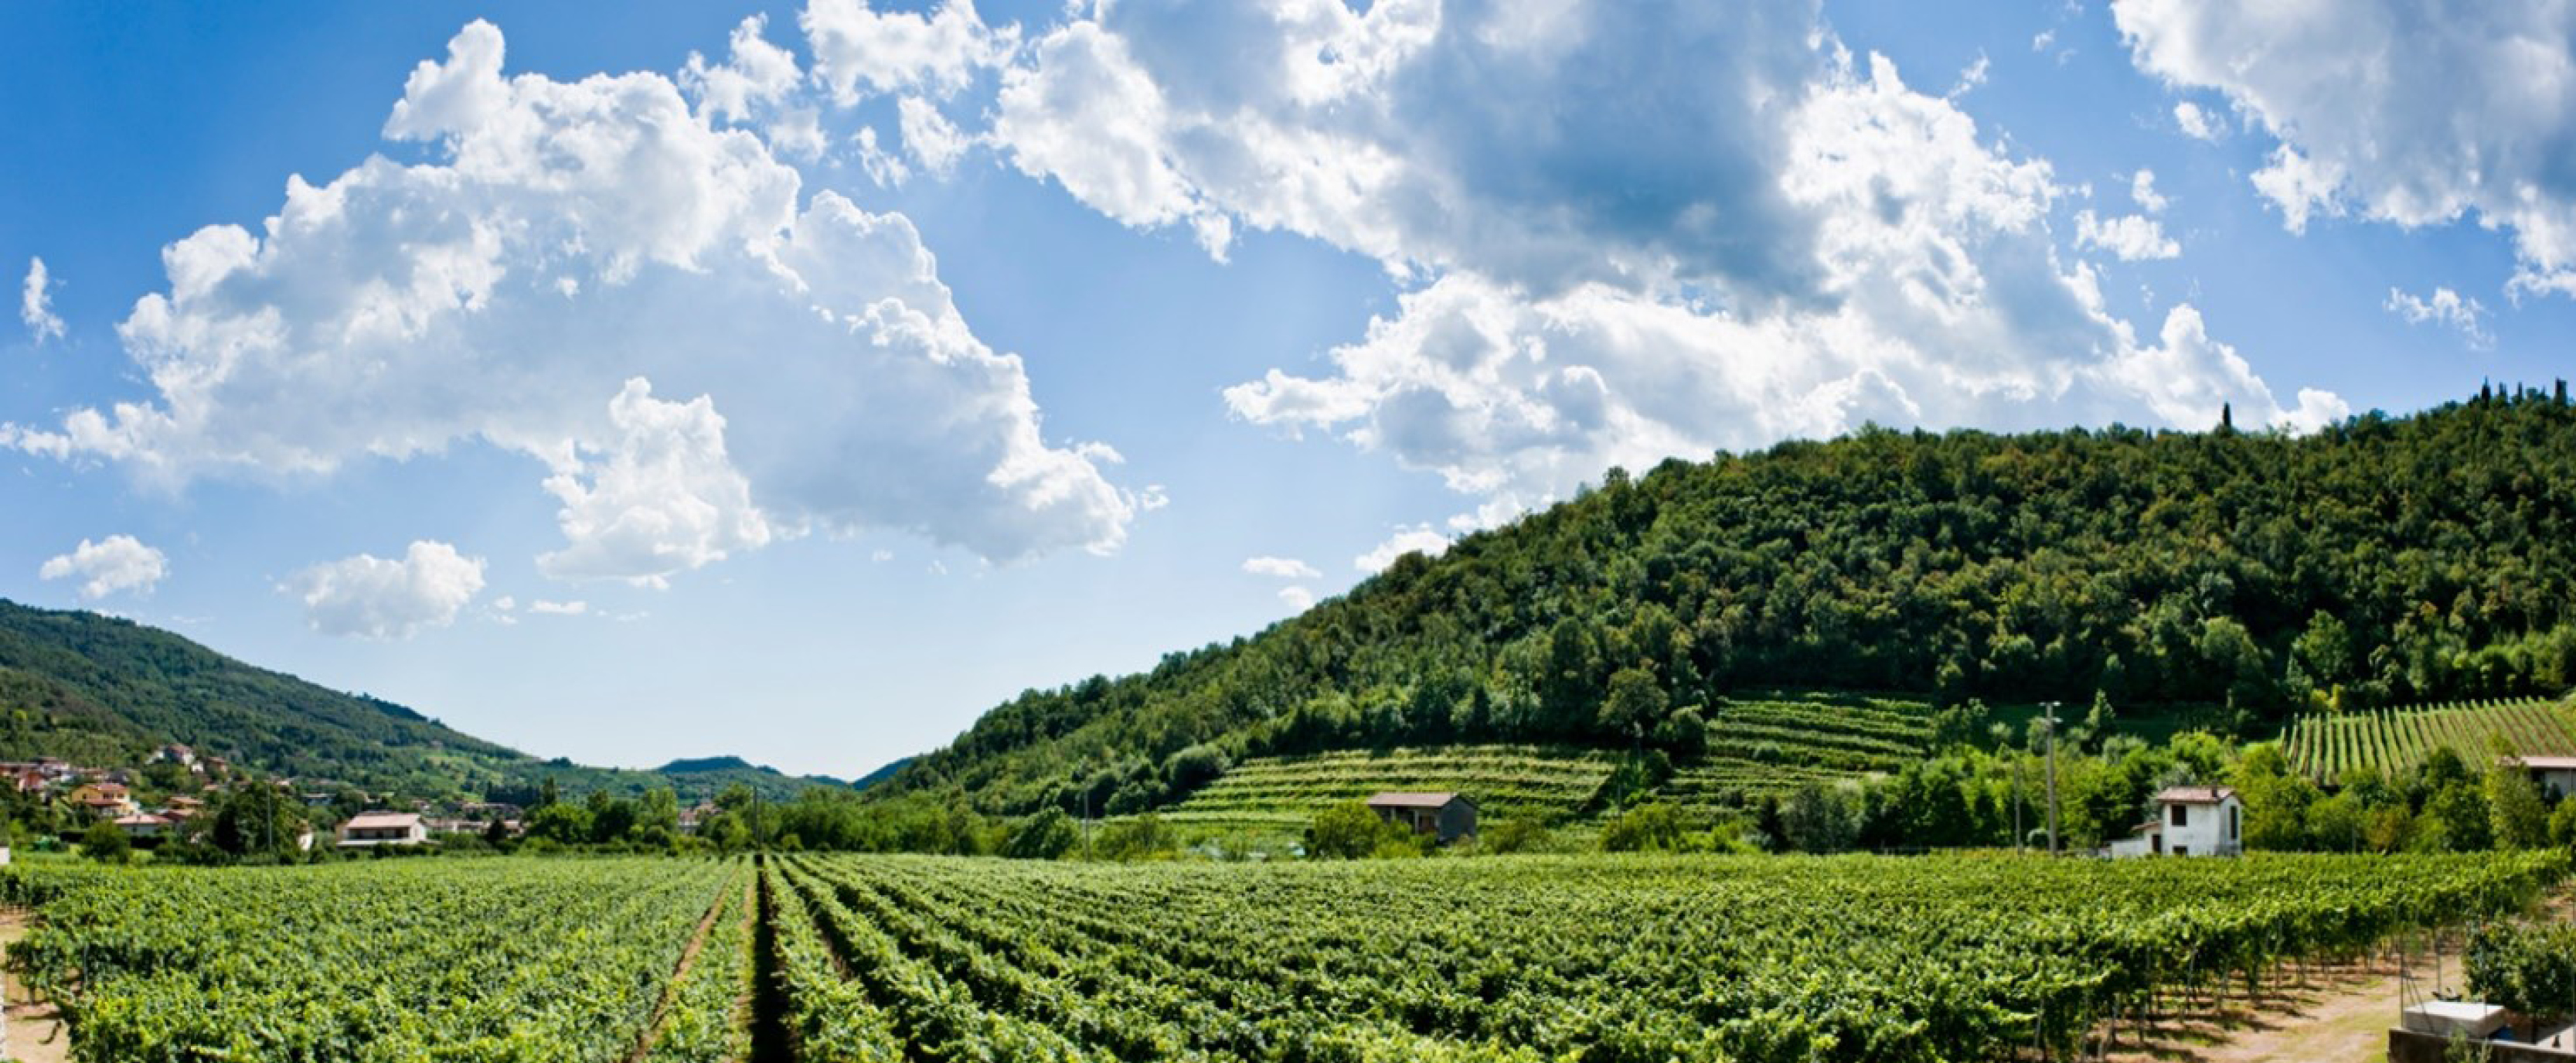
{"points": [[639, 382]]}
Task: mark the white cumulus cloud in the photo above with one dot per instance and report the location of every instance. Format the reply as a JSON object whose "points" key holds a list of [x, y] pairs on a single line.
{"points": [[1298, 598], [2443, 307], [562, 240], [36, 303], [555, 608], [2129, 237], [377, 598], [663, 498], [2142, 191], [1420, 539], [2411, 112], [2197, 123], [113, 564], [1280, 567], [1798, 242]]}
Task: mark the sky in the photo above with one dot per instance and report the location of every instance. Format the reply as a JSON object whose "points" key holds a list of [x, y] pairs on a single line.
{"points": [[638, 381]]}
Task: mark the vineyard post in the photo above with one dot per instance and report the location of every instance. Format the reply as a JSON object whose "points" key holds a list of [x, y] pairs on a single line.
{"points": [[2048, 715]]}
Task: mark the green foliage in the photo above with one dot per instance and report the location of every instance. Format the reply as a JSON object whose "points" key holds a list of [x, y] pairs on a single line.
{"points": [[1650, 827], [2517, 817], [1510, 836], [1046, 836], [2526, 969], [105, 842], [2162, 569], [1618, 957], [1348, 831], [1140, 838], [496, 959]]}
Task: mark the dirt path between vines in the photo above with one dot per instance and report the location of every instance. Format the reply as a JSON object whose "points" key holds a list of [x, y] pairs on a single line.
{"points": [[35, 1033], [2339, 1014], [679, 975]]}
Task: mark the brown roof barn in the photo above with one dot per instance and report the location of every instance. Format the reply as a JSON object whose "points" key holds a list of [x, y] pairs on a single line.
{"points": [[1450, 816]]}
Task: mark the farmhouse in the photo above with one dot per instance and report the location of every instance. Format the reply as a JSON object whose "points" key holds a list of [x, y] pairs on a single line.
{"points": [[2556, 775], [2190, 821], [142, 825], [383, 828], [1450, 816]]}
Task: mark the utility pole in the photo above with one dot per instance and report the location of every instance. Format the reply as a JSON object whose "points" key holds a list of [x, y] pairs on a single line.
{"points": [[2048, 714], [2021, 841], [1086, 823]]}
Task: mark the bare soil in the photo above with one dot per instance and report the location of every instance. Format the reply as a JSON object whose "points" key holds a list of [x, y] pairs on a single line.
{"points": [[35, 1030]]}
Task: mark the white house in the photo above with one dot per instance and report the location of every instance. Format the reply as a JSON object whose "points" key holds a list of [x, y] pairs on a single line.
{"points": [[2190, 821], [383, 828], [2556, 775]]}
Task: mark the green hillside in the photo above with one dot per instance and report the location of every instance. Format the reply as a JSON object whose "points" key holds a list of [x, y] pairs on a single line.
{"points": [[2216, 576], [104, 691]]}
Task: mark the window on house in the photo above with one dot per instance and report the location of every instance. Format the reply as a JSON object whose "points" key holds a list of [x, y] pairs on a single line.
{"points": [[2182, 850], [2231, 824], [2182, 815]]}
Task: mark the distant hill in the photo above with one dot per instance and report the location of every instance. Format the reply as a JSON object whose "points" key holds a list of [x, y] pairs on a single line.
{"points": [[881, 774], [102, 690], [2240, 577]]}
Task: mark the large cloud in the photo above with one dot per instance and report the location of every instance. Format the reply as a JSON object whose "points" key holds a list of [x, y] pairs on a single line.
{"points": [[116, 563], [377, 598], [569, 238], [1625, 231], [2415, 112]]}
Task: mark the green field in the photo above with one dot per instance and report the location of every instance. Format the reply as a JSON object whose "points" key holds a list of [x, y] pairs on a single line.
{"points": [[2391, 741], [863, 958]]}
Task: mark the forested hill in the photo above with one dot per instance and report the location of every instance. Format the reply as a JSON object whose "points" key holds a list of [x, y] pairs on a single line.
{"points": [[2386, 559], [105, 692]]}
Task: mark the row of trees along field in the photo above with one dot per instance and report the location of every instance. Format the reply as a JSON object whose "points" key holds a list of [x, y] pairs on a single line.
{"points": [[2382, 560]]}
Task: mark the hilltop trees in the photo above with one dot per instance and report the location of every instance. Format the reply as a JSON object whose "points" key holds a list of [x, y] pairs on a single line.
{"points": [[2383, 560]]}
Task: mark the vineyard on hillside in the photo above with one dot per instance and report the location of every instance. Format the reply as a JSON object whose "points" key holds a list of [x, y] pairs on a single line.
{"points": [[871, 958], [1756, 747], [1506, 781], [2391, 741]]}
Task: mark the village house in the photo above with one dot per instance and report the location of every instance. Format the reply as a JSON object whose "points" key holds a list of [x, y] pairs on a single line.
{"points": [[1449, 816], [106, 800], [142, 826], [2190, 821], [2556, 776], [177, 754], [695, 816], [383, 828]]}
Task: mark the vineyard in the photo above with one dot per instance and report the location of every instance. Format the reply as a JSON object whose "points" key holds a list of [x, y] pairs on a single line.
{"points": [[1507, 781], [843, 958], [2323, 746], [848, 958], [1756, 747], [395, 960]]}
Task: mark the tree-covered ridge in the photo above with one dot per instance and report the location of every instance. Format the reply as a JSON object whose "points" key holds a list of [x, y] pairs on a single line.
{"points": [[2382, 560], [105, 691]]}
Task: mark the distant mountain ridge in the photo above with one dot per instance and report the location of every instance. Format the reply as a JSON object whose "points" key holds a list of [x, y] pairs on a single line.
{"points": [[107, 691]]}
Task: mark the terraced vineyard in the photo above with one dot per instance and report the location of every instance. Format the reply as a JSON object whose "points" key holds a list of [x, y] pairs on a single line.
{"points": [[1505, 781], [395, 960], [1738, 959], [1770, 746], [2391, 741]]}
